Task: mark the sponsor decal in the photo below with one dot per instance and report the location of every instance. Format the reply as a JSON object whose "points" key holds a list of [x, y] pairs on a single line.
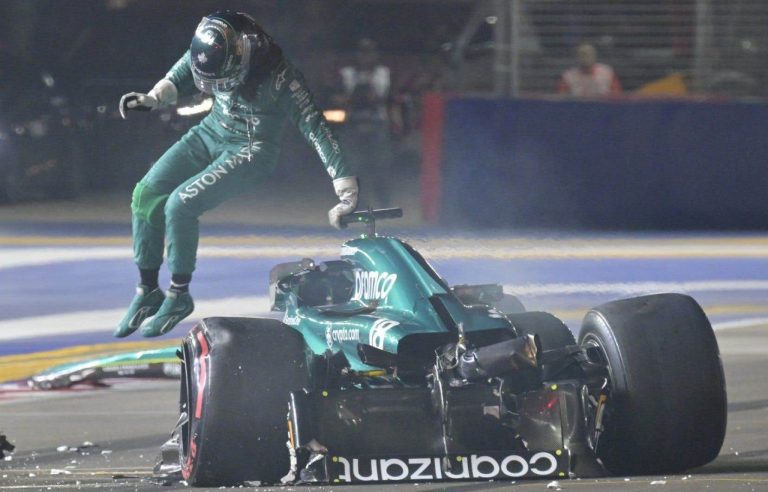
{"points": [[126, 369], [338, 335], [329, 135], [172, 321], [294, 85], [224, 103], [280, 79], [378, 332], [291, 320], [141, 315], [345, 335], [318, 147], [215, 174], [372, 286], [328, 337], [236, 111], [348, 250], [172, 369], [301, 97], [312, 114], [472, 467], [495, 313]]}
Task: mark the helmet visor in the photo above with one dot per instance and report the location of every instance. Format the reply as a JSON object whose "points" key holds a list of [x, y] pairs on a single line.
{"points": [[217, 80], [213, 86]]}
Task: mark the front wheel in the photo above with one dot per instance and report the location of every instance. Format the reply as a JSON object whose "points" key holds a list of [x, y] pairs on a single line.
{"points": [[666, 409], [237, 374]]}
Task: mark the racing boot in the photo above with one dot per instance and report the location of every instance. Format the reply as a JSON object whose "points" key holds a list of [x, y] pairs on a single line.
{"points": [[144, 305], [177, 306]]}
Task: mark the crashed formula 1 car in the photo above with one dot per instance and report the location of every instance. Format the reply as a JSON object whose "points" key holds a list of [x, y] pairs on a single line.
{"points": [[388, 374]]}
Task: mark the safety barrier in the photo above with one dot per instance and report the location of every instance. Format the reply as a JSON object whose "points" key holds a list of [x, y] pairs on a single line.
{"points": [[616, 164]]}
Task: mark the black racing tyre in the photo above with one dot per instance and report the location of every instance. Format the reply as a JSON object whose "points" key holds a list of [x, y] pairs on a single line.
{"points": [[666, 410], [552, 332], [236, 377], [509, 304]]}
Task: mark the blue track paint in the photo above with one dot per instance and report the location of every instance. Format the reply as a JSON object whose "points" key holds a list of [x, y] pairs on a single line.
{"points": [[109, 284], [103, 284], [606, 270]]}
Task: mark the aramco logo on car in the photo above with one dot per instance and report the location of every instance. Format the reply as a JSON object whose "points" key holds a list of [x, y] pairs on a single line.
{"points": [[372, 286]]}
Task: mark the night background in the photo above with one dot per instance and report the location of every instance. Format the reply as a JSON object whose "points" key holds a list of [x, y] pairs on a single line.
{"points": [[66, 64]]}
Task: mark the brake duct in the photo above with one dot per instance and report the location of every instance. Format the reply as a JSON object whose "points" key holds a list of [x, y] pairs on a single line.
{"points": [[499, 358]]}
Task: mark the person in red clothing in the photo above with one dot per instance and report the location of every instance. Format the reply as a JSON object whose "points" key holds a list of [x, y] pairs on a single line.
{"points": [[590, 78]]}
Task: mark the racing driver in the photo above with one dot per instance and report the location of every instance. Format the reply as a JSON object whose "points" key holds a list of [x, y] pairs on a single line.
{"points": [[235, 147]]}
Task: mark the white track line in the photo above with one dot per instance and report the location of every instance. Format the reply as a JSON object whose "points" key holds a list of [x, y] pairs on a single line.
{"points": [[740, 323], [438, 249], [634, 288], [25, 257], [107, 319], [100, 320], [21, 257]]}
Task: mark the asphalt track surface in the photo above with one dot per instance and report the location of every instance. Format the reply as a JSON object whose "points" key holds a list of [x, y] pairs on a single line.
{"points": [[62, 288]]}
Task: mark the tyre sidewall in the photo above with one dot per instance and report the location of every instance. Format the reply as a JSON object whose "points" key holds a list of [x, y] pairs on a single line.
{"points": [[242, 390], [668, 402]]}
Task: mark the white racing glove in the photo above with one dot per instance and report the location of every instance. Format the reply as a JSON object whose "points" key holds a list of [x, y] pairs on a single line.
{"points": [[346, 190], [163, 94]]}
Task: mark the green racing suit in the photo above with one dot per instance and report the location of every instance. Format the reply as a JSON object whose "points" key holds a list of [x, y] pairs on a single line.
{"points": [[231, 150]]}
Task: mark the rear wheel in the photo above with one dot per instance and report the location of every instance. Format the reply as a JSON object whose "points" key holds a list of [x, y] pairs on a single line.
{"points": [[666, 409], [509, 304], [236, 378]]}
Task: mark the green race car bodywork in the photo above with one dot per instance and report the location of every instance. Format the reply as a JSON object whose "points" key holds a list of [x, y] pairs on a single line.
{"points": [[379, 292], [380, 372], [151, 363]]}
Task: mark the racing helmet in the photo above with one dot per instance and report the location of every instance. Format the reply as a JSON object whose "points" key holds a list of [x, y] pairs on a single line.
{"points": [[220, 52]]}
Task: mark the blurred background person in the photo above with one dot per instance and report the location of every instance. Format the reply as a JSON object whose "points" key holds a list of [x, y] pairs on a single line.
{"points": [[366, 89], [589, 78]]}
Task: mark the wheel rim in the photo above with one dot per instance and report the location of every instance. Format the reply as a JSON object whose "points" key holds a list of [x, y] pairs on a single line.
{"points": [[597, 355], [591, 341]]}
